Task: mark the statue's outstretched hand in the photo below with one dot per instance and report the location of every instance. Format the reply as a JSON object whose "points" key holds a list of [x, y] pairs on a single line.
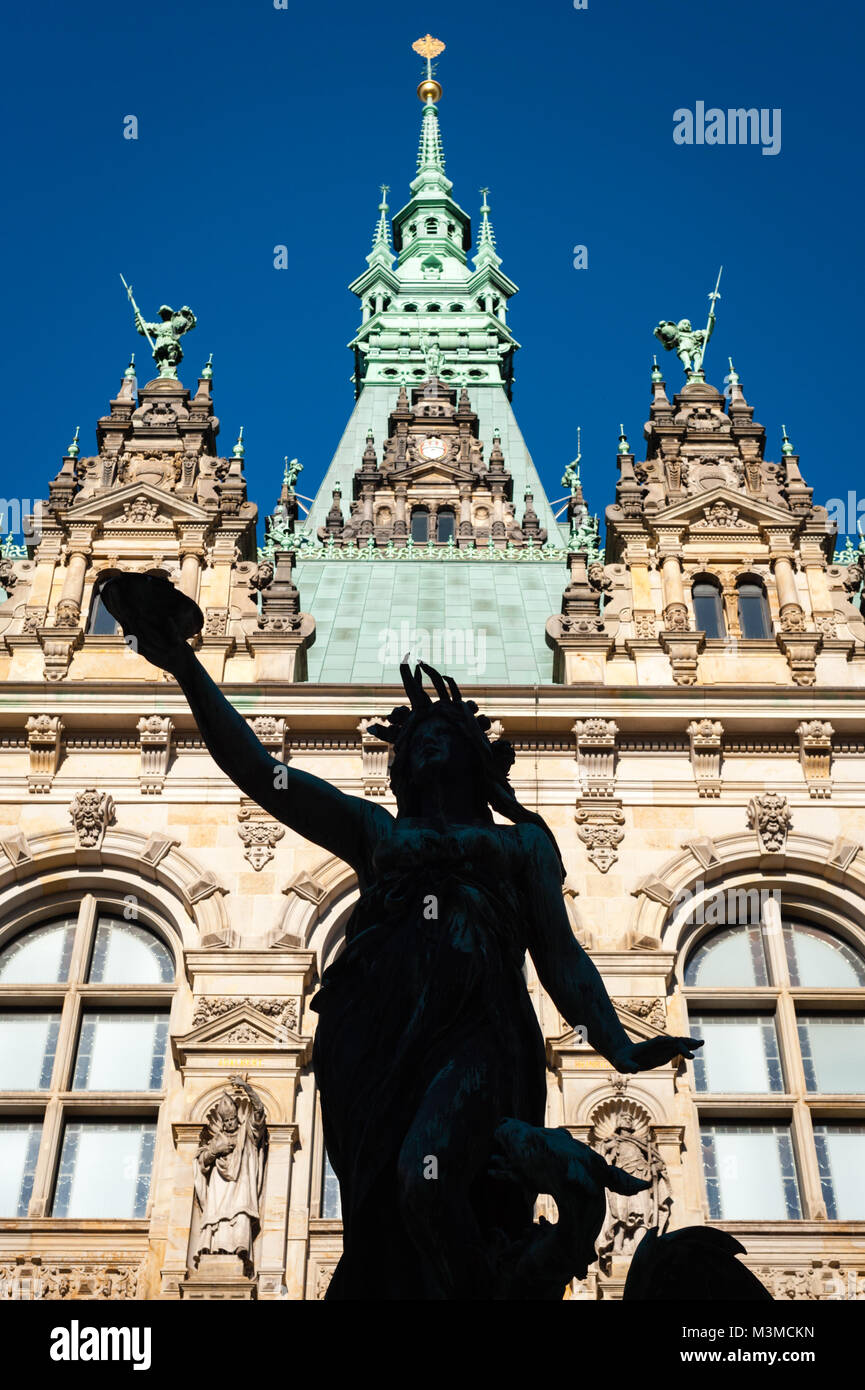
{"points": [[654, 1053], [155, 617]]}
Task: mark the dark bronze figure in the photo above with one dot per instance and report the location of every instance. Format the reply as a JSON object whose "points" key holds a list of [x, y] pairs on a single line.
{"points": [[428, 1054]]}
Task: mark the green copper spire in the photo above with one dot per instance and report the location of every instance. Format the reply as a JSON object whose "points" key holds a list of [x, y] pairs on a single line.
{"points": [[382, 251], [733, 378], [207, 369], [657, 374], [624, 447], [73, 451], [786, 448], [130, 370], [238, 451], [486, 253]]}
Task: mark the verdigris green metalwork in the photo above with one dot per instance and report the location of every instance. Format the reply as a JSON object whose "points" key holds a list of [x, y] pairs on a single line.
{"points": [[582, 538], [167, 352], [690, 343]]}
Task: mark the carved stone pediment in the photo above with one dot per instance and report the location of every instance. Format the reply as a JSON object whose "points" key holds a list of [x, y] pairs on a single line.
{"points": [[239, 1029], [112, 509], [724, 509]]}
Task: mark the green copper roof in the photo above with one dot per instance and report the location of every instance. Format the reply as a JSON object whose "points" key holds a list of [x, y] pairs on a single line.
{"points": [[481, 622]]}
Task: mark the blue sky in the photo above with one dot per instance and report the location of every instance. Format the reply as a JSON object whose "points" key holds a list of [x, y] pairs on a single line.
{"points": [[260, 127]]}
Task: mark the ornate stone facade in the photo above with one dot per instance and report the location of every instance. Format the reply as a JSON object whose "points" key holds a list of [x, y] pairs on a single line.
{"points": [[696, 733]]}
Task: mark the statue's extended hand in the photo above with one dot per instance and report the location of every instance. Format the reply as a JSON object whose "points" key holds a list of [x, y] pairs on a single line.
{"points": [[155, 617], [654, 1053]]}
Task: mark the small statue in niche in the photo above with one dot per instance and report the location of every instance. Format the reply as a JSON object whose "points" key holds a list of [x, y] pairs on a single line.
{"points": [[229, 1173]]}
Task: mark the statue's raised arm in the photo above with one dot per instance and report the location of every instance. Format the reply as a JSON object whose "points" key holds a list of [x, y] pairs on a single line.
{"points": [[159, 619]]}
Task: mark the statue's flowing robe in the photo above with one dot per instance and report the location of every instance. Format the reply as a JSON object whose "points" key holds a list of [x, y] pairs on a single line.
{"points": [[430, 979], [230, 1195]]}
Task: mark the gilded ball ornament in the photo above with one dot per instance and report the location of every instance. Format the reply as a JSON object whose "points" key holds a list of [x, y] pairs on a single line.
{"points": [[429, 88]]}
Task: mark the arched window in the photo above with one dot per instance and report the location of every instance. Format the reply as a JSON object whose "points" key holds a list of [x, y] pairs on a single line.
{"points": [[419, 525], [100, 622], [67, 1042], [445, 525], [708, 607], [778, 998], [754, 617]]}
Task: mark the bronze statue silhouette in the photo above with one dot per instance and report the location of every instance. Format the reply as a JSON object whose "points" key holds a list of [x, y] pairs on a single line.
{"points": [[428, 1055]]}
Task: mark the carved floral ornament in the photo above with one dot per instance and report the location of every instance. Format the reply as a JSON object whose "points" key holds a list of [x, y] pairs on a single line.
{"points": [[74, 1281]]}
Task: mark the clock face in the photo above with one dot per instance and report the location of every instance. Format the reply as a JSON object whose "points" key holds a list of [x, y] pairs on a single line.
{"points": [[433, 448]]}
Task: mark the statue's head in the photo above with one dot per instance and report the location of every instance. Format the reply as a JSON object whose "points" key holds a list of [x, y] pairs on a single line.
{"points": [[165, 312], [684, 325], [227, 1112], [448, 738]]}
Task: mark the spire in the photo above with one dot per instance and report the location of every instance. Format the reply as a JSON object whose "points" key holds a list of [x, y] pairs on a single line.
{"points": [[207, 369], [486, 254], [238, 451], [624, 446], [786, 448], [73, 451], [130, 370], [382, 251], [430, 155]]}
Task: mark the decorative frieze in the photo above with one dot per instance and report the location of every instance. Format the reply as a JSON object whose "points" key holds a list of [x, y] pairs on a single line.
{"points": [[154, 739], [28, 1279], [652, 1010], [44, 735], [769, 814], [285, 1012], [815, 755]]}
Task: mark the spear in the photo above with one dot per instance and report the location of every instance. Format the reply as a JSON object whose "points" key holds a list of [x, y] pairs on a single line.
{"points": [[128, 289], [713, 298]]}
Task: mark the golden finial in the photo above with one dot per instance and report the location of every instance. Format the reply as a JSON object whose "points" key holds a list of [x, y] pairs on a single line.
{"points": [[429, 48]]}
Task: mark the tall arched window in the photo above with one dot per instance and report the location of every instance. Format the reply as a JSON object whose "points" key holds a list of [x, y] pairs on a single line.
{"points": [[754, 617], [419, 525], [708, 607], [445, 525], [70, 1044], [778, 997]]}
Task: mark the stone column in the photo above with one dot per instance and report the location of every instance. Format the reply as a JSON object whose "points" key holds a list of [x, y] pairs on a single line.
{"points": [[675, 610], [69, 603], [400, 529], [785, 579]]}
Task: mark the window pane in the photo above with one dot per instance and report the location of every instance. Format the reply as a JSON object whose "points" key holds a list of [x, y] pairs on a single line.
{"points": [[740, 1053], [817, 958], [841, 1156], [708, 610], [753, 612], [126, 954], [750, 1172], [419, 524], [19, 1147], [331, 1200], [121, 1052], [28, 1042], [445, 524], [40, 956], [730, 957], [105, 1169], [101, 623], [833, 1052]]}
